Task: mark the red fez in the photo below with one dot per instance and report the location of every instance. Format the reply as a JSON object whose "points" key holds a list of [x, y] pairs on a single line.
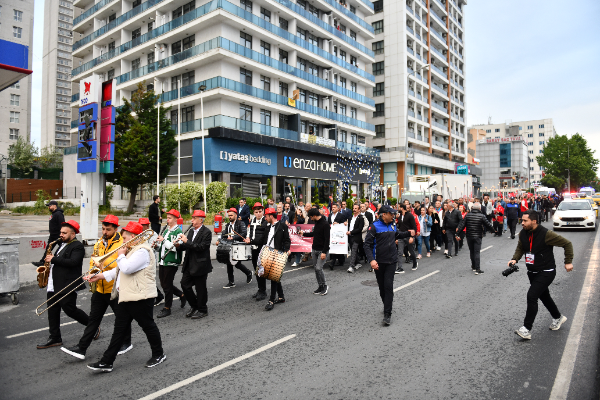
{"points": [[72, 224], [257, 205], [269, 211], [199, 213], [233, 210], [144, 221], [111, 219], [174, 213], [134, 227]]}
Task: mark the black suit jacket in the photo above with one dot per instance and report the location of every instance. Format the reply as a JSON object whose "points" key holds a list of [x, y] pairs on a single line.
{"points": [[281, 238], [238, 227], [197, 252], [67, 266], [244, 214], [359, 224], [340, 218]]}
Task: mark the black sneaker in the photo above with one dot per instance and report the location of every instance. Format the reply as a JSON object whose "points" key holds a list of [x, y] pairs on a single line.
{"points": [[74, 351], [456, 254], [98, 366], [229, 285], [249, 278], [448, 255], [190, 313], [399, 270], [154, 361], [255, 294], [387, 319], [407, 260], [199, 315], [318, 291], [183, 301], [270, 305], [324, 290], [165, 312], [159, 300], [125, 348], [478, 271], [414, 268], [260, 296], [50, 343]]}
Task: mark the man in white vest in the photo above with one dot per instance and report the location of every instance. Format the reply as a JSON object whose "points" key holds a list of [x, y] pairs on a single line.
{"points": [[136, 289]]}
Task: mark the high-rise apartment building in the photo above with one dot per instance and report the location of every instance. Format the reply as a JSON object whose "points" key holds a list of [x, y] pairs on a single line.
{"points": [[16, 27], [535, 134], [419, 92], [57, 64], [286, 87]]}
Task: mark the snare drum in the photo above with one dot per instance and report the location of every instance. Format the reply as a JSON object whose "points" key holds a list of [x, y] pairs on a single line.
{"points": [[241, 252], [224, 252]]}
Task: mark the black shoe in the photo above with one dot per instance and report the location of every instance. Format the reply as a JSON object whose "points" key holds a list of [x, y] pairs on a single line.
{"points": [[154, 361], [38, 263], [249, 278], [229, 285], [255, 294], [512, 236], [448, 255], [324, 290], [270, 305], [125, 348], [97, 335], [399, 270], [279, 300], [98, 366], [199, 314], [407, 260], [331, 266], [183, 301], [478, 272], [74, 351], [456, 254], [50, 343], [260, 296], [165, 312], [318, 291], [190, 313], [387, 319]]}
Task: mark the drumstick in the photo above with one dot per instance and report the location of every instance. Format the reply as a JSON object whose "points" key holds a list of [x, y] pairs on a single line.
{"points": [[235, 233]]}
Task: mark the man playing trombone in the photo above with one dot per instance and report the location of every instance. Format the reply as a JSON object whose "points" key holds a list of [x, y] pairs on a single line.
{"points": [[110, 240], [65, 271]]}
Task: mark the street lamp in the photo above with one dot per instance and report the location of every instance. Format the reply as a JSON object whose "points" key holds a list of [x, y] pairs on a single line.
{"points": [[201, 89]]}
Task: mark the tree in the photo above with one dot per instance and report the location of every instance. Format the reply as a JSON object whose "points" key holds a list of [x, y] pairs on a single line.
{"points": [[50, 157], [22, 154], [136, 144], [269, 189], [563, 154]]}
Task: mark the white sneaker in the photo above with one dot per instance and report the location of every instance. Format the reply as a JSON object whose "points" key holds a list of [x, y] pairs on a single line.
{"points": [[295, 264], [350, 270], [419, 257], [524, 333], [438, 248], [556, 323], [357, 266]]}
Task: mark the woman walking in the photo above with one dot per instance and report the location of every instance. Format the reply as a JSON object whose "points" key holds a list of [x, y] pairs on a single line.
{"points": [[425, 223]]}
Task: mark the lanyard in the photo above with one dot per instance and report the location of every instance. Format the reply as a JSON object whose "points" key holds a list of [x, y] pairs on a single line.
{"points": [[530, 242]]}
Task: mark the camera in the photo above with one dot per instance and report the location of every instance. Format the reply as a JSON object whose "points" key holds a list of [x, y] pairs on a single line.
{"points": [[510, 270]]}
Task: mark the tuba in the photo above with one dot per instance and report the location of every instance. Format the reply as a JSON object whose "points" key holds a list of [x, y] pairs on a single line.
{"points": [[44, 271]]}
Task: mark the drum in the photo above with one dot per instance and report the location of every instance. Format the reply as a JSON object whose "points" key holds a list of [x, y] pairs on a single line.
{"points": [[241, 252], [224, 252], [272, 262]]}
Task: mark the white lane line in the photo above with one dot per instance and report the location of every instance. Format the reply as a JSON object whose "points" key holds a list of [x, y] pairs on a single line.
{"points": [[416, 280], [487, 248], [45, 329], [296, 269], [211, 371], [562, 382]]}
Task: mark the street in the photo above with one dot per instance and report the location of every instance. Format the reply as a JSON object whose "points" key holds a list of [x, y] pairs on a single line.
{"points": [[452, 337]]}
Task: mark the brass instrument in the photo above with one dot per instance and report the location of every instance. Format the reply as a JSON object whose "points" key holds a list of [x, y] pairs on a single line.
{"points": [[94, 254], [177, 241], [98, 261], [44, 271]]}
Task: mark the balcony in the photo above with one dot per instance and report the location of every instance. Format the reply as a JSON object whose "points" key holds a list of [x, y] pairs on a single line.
{"points": [[75, 97], [439, 35], [74, 124], [418, 56], [411, 113], [440, 5], [411, 51], [411, 134], [356, 148], [441, 126], [419, 96], [439, 90], [408, 28], [237, 124], [439, 19], [440, 145], [436, 105], [410, 10], [92, 10], [418, 36], [411, 92], [439, 53]]}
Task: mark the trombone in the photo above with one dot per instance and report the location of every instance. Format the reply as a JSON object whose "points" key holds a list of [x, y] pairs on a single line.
{"points": [[98, 268]]}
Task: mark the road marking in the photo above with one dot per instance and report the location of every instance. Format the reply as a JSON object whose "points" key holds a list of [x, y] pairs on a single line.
{"points": [[562, 382], [211, 371], [489, 247], [44, 329], [296, 269], [416, 280]]}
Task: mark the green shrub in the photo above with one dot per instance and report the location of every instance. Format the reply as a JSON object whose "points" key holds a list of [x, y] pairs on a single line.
{"points": [[349, 203], [216, 194]]}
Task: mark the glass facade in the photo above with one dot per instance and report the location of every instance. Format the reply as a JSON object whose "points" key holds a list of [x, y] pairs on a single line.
{"points": [[505, 154]]}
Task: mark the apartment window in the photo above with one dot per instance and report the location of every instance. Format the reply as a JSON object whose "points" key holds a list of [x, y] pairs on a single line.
{"points": [[188, 42], [17, 32], [186, 8], [313, 10], [379, 110], [150, 26], [246, 5], [188, 78], [530, 135], [353, 112], [246, 76], [135, 64], [265, 48], [16, 85], [542, 126], [353, 61], [301, 33], [505, 155], [246, 40], [378, 47], [541, 151], [541, 142], [301, 64], [283, 89], [378, 68], [497, 130], [136, 3], [488, 131], [342, 27], [150, 57], [379, 131], [245, 112], [265, 83], [378, 26], [529, 126], [283, 56], [530, 144], [111, 46], [342, 109], [379, 89], [531, 168], [530, 151], [343, 55], [353, 138], [265, 117], [313, 100], [541, 134], [342, 136], [353, 86], [112, 17], [520, 128], [111, 74], [343, 82], [378, 6], [302, 4], [136, 33], [14, 116], [18, 15], [265, 14], [14, 134], [283, 24], [303, 97], [352, 34], [187, 114], [312, 39], [174, 117], [15, 99], [353, 9]]}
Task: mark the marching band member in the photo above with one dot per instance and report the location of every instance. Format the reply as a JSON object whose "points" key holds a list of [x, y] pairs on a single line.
{"points": [[196, 265], [135, 288], [65, 268], [234, 230], [169, 261], [257, 228], [111, 239], [278, 237], [145, 222]]}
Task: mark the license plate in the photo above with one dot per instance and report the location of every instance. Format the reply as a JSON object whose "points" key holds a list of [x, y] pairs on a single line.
{"points": [[572, 223]]}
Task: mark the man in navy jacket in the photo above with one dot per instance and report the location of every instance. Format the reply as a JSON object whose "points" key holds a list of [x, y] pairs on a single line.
{"points": [[243, 212]]}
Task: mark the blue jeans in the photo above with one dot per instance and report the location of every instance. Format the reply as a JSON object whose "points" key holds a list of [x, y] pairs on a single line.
{"points": [[420, 240], [504, 224]]}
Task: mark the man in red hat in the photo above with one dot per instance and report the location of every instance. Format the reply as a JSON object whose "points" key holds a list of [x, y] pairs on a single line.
{"points": [[196, 265], [256, 231], [135, 286], [101, 290], [168, 262], [65, 268], [234, 231], [277, 236]]}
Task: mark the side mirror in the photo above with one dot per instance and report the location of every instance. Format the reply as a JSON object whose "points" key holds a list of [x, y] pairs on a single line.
{"points": [[553, 208]]}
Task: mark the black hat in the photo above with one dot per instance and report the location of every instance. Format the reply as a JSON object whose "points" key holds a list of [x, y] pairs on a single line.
{"points": [[52, 203], [387, 209]]}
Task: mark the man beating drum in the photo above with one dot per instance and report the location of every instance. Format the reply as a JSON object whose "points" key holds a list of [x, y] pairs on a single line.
{"points": [[235, 230], [276, 236]]}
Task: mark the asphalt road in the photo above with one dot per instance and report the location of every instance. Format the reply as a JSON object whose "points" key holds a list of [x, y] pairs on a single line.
{"points": [[452, 337]]}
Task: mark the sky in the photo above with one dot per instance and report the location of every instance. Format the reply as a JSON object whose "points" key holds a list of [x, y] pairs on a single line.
{"points": [[525, 60]]}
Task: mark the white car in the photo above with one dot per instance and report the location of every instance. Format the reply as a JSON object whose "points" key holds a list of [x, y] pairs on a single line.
{"points": [[574, 214]]}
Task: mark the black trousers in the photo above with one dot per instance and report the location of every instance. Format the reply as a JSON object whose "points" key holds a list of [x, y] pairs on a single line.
{"points": [[188, 282], [461, 235], [451, 238], [545, 215], [404, 247], [141, 312], [276, 289], [50, 240], [385, 281], [512, 225], [166, 275], [155, 227], [498, 226], [475, 252], [69, 306], [100, 303], [239, 266], [262, 282], [539, 290]]}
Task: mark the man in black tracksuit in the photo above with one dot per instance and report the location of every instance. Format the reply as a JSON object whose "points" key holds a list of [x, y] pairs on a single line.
{"points": [[406, 222], [536, 242], [54, 225], [475, 222], [380, 248], [512, 216], [451, 221]]}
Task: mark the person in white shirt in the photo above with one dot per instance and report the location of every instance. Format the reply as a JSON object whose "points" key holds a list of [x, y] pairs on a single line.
{"points": [[135, 287]]}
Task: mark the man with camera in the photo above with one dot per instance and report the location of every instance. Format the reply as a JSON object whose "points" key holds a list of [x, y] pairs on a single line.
{"points": [[536, 242]]}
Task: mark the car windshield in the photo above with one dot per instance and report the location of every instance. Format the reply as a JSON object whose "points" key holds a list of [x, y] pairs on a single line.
{"points": [[574, 205]]}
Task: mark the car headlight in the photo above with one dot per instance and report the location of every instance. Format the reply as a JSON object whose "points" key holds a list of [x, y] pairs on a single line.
{"points": [[586, 217]]}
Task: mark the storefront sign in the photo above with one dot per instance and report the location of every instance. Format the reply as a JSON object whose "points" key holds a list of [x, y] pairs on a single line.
{"points": [[306, 165], [232, 156], [462, 169], [506, 139], [318, 140], [246, 158]]}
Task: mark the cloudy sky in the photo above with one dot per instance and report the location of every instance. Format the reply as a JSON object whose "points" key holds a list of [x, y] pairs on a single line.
{"points": [[525, 60]]}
